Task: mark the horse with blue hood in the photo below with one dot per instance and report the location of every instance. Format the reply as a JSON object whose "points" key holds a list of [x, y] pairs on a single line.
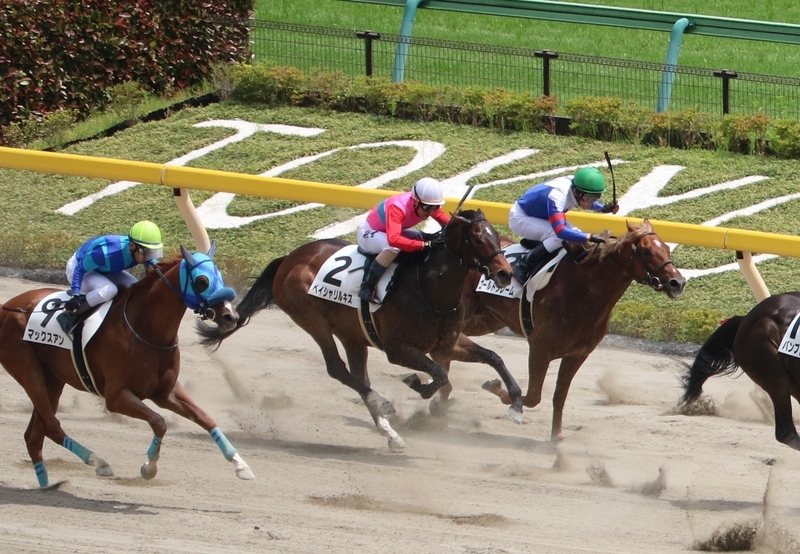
{"points": [[132, 356]]}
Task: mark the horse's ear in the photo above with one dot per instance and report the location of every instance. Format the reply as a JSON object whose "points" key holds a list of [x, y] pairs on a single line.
{"points": [[212, 249], [646, 224], [631, 226], [461, 220], [188, 256]]}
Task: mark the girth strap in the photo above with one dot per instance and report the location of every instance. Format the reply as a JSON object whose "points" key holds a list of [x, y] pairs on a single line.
{"points": [[79, 360], [368, 325]]}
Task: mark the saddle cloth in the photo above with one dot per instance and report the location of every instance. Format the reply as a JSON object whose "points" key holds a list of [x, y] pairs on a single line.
{"points": [[513, 253], [790, 345], [339, 278], [43, 328]]}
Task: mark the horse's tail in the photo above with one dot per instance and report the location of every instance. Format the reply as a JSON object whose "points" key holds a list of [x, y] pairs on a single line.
{"points": [[714, 358], [257, 298]]}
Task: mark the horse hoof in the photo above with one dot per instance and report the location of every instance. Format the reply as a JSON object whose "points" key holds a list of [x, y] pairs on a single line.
{"points": [[439, 408], [243, 470], [494, 386], [245, 473], [102, 469], [514, 415], [412, 380], [148, 471], [53, 485], [397, 444]]}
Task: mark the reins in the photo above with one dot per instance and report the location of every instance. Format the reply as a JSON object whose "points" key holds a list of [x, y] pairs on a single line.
{"points": [[137, 335], [478, 262]]}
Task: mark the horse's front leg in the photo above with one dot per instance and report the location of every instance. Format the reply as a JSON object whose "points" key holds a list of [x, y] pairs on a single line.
{"points": [[179, 401], [126, 403], [466, 350], [414, 358], [566, 371]]}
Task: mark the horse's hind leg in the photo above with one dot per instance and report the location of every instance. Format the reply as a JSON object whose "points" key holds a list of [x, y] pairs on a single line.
{"points": [[44, 390], [785, 430], [378, 406], [179, 401]]}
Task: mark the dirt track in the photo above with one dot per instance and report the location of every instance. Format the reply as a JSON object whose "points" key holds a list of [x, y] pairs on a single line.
{"points": [[476, 483]]}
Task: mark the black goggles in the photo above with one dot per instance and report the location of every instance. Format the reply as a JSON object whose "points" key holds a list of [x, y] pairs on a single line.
{"points": [[427, 207]]}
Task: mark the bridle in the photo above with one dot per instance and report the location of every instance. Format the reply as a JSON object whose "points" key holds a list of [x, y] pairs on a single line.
{"points": [[650, 279], [204, 313], [481, 263]]}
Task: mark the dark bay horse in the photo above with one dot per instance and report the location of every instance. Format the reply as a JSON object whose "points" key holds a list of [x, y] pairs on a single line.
{"points": [[755, 343], [133, 356], [571, 314], [421, 315]]}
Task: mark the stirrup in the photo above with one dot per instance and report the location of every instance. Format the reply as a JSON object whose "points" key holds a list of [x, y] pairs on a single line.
{"points": [[372, 296], [67, 321]]}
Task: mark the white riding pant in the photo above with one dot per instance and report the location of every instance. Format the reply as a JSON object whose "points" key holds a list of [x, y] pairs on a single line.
{"points": [[375, 242], [99, 287], [533, 228]]}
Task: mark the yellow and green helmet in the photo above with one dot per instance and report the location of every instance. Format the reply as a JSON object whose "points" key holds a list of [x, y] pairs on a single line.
{"points": [[589, 180], [147, 235]]}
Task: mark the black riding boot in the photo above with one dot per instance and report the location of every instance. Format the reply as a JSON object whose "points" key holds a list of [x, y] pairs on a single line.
{"points": [[530, 263], [371, 277], [68, 320]]}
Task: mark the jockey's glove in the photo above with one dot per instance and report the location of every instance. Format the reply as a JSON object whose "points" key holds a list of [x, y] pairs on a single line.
{"points": [[437, 243], [74, 303], [598, 239], [608, 208]]}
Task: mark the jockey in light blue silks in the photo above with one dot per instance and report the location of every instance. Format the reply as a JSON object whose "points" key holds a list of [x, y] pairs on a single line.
{"points": [[98, 267]]}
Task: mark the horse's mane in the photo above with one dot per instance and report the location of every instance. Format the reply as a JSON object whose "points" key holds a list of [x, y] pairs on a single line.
{"points": [[615, 244], [151, 274]]}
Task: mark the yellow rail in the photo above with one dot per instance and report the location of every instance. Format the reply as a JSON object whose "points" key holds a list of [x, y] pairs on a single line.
{"points": [[340, 195]]}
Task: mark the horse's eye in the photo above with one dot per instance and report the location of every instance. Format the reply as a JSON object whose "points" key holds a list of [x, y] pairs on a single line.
{"points": [[201, 284]]}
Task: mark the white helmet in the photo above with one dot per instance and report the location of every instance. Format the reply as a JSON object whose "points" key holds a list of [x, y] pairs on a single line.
{"points": [[429, 191]]}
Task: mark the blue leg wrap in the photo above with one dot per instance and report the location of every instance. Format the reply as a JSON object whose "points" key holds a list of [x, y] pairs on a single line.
{"points": [[222, 441], [41, 474], [155, 449], [77, 449]]}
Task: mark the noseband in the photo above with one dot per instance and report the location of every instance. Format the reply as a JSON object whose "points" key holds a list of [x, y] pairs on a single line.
{"points": [[651, 279]]}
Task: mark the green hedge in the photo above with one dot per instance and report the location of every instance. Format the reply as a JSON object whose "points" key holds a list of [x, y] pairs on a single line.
{"points": [[608, 119], [65, 54]]}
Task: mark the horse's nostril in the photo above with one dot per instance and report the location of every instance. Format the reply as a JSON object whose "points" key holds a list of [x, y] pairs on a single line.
{"points": [[230, 317]]}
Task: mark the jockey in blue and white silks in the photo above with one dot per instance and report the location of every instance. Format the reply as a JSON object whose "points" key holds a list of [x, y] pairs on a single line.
{"points": [[540, 214]]}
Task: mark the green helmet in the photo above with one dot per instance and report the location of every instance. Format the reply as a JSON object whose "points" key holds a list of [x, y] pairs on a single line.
{"points": [[146, 234], [589, 180]]}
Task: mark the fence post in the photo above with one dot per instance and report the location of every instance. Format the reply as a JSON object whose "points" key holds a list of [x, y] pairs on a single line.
{"points": [[368, 37], [546, 56], [726, 75]]}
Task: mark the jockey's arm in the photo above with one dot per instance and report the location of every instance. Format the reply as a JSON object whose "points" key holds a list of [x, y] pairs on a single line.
{"points": [[441, 217], [394, 231], [77, 278], [562, 229]]}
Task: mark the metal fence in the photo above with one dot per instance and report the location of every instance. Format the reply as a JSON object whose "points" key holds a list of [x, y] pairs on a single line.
{"points": [[567, 76]]}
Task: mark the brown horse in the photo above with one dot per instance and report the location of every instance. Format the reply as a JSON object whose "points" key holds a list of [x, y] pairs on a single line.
{"points": [[422, 315], [133, 356], [570, 315], [755, 342]]}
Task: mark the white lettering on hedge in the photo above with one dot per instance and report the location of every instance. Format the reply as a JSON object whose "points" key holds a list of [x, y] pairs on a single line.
{"points": [[453, 187], [244, 129], [642, 195], [214, 211]]}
